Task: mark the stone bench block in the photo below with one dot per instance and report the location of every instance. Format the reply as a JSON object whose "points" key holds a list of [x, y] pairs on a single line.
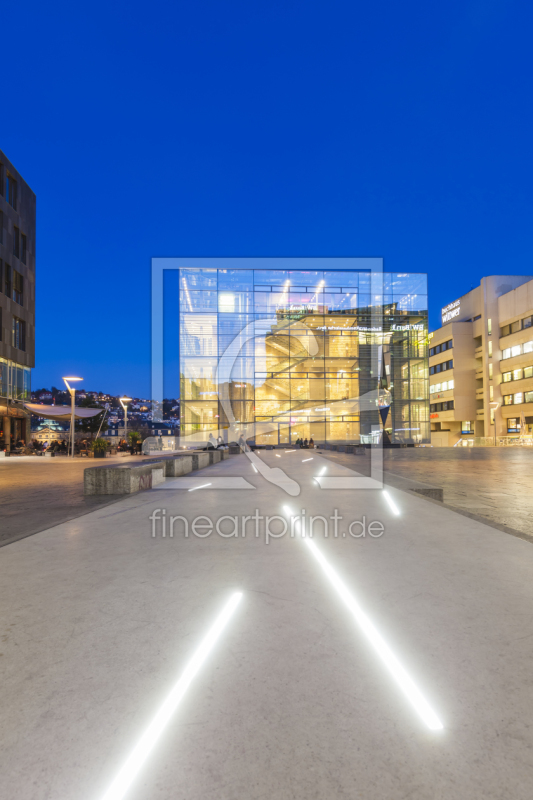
{"points": [[122, 479]]}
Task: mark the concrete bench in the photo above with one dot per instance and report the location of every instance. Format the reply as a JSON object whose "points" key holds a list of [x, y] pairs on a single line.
{"points": [[123, 479], [130, 478]]}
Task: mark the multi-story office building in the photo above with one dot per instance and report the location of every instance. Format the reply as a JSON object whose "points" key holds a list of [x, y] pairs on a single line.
{"points": [[481, 364], [301, 353], [17, 302]]}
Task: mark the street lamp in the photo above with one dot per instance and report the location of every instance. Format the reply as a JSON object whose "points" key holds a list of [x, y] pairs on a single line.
{"points": [[72, 391], [123, 401], [494, 405]]}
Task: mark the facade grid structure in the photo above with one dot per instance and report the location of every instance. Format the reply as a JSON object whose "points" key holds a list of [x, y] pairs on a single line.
{"points": [[282, 354]]}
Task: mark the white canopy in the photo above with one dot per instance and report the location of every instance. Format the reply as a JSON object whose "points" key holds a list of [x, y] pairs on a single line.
{"points": [[62, 412]]}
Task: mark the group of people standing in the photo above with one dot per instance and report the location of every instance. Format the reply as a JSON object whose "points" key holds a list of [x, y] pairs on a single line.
{"points": [[305, 442]]}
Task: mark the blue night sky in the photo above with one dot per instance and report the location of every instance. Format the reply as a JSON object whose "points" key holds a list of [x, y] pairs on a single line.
{"points": [[401, 130]]}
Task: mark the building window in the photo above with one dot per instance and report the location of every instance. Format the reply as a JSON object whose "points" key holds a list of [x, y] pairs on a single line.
{"points": [[490, 349], [11, 191], [23, 248], [490, 370], [507, 376], [7, 279], [489, 327], [505, 331], [517, 374], [19, 334], [436, 407], [466, 427], [513, 426], [491, 392], [444, 346], [527, 322], [1, 227], [516, 326], [518, 398], [516, 350], [528, 372], [528, 397], [16, 242], [508, 399], [478, 317], [18, 288]]}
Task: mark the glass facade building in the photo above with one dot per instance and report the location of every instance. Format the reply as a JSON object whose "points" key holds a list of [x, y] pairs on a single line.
{"points": [[15, 380], [276, 355]]}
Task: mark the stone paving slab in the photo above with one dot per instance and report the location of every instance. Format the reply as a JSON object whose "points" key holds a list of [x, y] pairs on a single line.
{"points": [[493, 484]]}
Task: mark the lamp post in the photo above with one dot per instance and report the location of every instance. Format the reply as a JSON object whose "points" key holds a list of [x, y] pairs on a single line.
{"points": [[494, 405], [72, 391], [123, 403]]}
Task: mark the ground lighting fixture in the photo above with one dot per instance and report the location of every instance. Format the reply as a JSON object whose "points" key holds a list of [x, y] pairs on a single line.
{"points": [[152, 733], [380, 646]]}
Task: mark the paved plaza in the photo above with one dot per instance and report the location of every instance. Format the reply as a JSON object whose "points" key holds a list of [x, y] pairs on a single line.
{"points": [[491, 483], [38, 492], [386, 666]]}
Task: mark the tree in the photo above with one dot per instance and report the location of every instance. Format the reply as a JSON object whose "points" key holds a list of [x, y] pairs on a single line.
{"points": [[92, 424]]}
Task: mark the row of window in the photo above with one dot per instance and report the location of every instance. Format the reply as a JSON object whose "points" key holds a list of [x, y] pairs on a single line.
{"points": [[441, 367], [20, 244], [517, 398], [18, 333], [8, 187], [434, 407], [517, 350], [12, 283], [517, 374], [441, 387], [519, 325], [440, 348]]}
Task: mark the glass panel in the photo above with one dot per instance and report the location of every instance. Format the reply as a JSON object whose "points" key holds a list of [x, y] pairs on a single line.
{"points": [[271, 277], [199, 335], [198, 301], [198, 379], [199, 412], [191, 279], [235, 302], [235, 279], [344, 280]]}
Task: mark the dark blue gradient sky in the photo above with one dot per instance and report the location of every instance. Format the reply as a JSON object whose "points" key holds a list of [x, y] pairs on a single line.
{"points": [[401, 130]]}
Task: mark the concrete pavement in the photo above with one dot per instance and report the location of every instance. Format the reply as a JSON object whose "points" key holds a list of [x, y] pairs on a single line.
{"points": [[100, 619], [38, 492]]}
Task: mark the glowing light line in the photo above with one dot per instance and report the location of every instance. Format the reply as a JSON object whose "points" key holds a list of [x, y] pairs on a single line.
{"points": [[148, 740]]}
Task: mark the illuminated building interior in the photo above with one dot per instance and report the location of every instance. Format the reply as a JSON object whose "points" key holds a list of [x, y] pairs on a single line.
{"points": [[281, 355]]}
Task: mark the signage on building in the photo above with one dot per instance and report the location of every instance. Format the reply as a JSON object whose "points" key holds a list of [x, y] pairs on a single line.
{"points": [[419, 326], [433, 416], [451, 311]]}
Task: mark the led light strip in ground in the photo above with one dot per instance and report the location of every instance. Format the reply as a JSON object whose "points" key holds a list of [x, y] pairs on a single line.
{"points": [[397, 671], [390, 501], [306, 459], [149, 739], [194, 488]]}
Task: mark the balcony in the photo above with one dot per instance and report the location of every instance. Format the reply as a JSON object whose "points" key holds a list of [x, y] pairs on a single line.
{"points": [[479, 394], [478, 352], [480, 372]]}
